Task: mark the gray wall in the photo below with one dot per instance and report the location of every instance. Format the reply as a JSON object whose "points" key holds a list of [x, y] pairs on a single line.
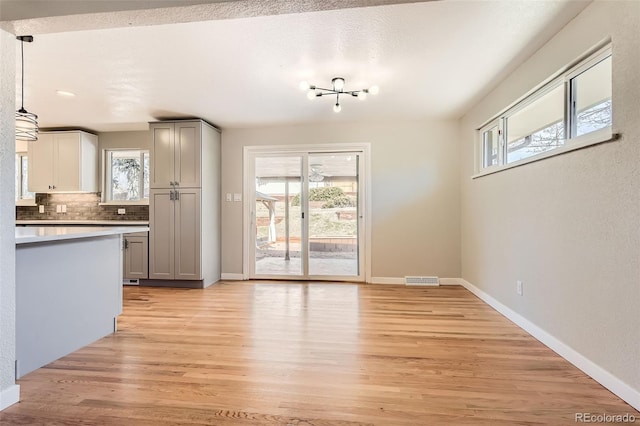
{"points": [[415, 191], [567, 226], [7, 214]]}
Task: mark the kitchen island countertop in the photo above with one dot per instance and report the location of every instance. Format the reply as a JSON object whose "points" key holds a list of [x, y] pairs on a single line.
{"points": [[37, 234], [62, 222]]}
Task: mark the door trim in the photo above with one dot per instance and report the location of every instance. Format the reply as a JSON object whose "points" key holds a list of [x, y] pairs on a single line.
{"points": [[248, 170]]}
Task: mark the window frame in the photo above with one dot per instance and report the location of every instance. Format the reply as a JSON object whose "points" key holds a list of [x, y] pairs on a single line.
{"points": [[19, 200], [107, 190], [571, 141]]}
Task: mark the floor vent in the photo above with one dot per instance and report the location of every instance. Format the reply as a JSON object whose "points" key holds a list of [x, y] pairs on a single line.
{"points": [[421, 280], [130, 282]]}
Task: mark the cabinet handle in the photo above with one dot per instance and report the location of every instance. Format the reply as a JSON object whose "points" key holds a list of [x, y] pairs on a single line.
{"points": [[53, 186], [176, 183], [177, 196], [171, 196], [126, 244]]}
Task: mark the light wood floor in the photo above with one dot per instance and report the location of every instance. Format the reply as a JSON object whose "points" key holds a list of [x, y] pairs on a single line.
{"points": [[248, 353]]}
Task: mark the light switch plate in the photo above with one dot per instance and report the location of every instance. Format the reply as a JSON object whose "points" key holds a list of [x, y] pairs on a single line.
{"points": [[122, 211], [58, 208], [41, 208], [237, 196], [64, 208], [228, 196]]}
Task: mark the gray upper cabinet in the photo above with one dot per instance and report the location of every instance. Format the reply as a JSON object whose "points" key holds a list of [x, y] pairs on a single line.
{"points": [[176, 154], [63, 161]]}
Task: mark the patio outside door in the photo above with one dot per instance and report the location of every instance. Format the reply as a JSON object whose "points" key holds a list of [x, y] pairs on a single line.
{"points": [[307, 216]]}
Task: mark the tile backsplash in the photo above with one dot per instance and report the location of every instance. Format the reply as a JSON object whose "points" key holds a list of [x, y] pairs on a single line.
{"points": [[83, 206]]}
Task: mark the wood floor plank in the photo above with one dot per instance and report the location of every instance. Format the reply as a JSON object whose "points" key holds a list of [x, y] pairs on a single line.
{"points": [[288, 353]]}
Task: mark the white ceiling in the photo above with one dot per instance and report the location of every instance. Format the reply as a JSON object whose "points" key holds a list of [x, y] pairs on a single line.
{"points": [[431, 60]]}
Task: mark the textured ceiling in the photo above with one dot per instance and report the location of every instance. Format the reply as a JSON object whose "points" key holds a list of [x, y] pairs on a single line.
{"points": [[431, 60]]}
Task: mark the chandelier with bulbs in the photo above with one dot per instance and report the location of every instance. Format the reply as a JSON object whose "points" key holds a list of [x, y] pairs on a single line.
{"points": [[338, 90]]}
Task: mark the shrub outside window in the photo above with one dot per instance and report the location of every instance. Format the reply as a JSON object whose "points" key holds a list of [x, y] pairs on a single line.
{"points": [[126, 175]]}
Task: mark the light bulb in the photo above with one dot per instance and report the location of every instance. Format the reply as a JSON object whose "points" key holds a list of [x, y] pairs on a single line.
{"points": [[337, 108], [362, 95], [304, 85], [374, 90], [338, 83], [311, 95]]}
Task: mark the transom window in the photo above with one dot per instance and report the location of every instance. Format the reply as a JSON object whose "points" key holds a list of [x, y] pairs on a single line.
{"points": [[126, 175], [564, 111]]}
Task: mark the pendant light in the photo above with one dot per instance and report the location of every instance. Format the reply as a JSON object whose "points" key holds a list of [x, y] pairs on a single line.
{"points": [[26, 122]]}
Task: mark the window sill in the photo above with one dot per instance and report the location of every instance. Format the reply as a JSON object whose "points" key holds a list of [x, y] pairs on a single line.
{"points": [[124, 203], [584, 141], [26, 202]]}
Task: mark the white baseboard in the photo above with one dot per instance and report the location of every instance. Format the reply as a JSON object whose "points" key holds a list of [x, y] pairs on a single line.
{"points": [[400, 281], [386, 280], [9, 396], [231, 277], [599, 374]]}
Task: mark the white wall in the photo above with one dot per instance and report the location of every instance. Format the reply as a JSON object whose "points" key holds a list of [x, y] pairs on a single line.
{"points": [[8, 388], [415, 191], [568, 226]]}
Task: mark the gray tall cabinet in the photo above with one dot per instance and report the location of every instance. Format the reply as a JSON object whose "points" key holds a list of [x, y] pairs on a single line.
{"points": [[184, 204]]}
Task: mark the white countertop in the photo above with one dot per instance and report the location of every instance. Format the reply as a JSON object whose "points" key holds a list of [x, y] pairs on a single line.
{"points": [[84, 222], [39, 234]]}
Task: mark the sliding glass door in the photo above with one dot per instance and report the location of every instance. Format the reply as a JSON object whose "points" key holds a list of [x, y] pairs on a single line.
{"points": [[278, 216], [306, 216], [333, 214]]}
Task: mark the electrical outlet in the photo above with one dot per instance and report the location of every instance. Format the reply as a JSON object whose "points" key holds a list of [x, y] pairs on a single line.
{"points": [[519, 287], [122, 211], [41, 208], [59, 208], [64, 208]]}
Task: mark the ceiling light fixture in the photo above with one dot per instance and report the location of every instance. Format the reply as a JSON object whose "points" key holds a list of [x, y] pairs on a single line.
{"points": [[26, 122], [65, 93], [338, 89]]}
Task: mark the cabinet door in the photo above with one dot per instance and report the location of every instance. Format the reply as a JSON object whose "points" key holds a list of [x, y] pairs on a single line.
{"points": [[136, 259], [66, 162], [40, 154], [187, 154], [161, 235], [187, 235], [162, 155]]}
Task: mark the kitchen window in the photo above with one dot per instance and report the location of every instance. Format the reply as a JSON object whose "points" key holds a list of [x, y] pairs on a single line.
{"points": [[23, 196], [126, 176], [571, 111]]}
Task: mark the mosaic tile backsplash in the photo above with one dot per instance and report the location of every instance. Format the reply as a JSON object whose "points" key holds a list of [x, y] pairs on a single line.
{"points": [[79, 207]]}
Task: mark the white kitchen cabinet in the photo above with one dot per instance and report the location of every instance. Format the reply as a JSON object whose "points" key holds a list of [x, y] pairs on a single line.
{"points": [[184, 204], [63, 161], [136, 256], [176, 154]]}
